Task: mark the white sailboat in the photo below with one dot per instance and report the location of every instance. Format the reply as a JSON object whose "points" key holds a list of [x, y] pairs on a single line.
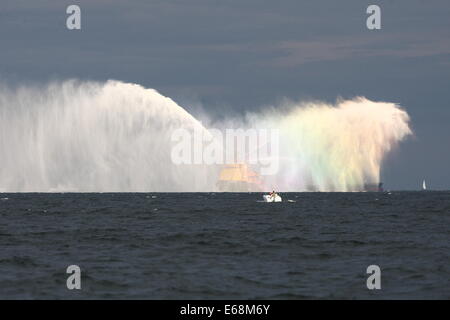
{"points": [[424, 185]]}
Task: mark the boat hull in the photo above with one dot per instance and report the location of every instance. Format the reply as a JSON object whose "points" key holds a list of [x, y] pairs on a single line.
{"points": [[268, 198]]}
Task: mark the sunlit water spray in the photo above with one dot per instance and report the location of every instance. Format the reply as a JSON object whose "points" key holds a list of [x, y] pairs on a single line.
{"points": [[85, 136], [338, 147], [114, 136]]}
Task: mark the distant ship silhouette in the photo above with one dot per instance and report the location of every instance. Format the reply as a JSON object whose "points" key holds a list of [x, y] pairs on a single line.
{"points": [[239, 178], [242, 178]]}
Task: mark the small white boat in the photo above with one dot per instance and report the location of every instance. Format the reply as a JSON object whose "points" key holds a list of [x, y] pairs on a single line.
{"points": [[424, 185], [269, 198]]}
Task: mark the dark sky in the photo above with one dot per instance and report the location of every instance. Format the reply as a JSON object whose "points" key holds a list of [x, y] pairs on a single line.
{"points": [[228, 56]]}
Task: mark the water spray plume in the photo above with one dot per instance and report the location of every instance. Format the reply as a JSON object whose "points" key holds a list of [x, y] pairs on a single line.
{"points": [[115, 136], [87, 136], [335, 147]]}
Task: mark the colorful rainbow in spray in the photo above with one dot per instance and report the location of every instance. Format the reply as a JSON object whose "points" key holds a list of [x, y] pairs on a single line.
{"points": [[338, 147]]}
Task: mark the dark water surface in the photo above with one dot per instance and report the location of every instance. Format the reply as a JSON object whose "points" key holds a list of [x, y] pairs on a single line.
{"points": [[225, 246]]}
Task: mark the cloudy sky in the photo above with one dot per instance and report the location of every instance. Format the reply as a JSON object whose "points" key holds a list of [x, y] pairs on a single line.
{"points": [[230, 56]]}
